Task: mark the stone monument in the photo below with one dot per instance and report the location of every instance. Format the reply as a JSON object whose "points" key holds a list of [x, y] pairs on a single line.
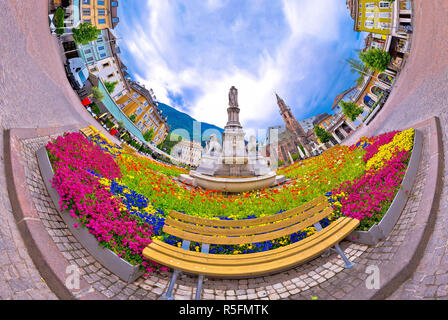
{"points": [[233, 168]]}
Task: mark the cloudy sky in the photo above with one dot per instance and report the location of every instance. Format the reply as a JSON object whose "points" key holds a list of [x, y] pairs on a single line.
{"points": [[192, 51]]}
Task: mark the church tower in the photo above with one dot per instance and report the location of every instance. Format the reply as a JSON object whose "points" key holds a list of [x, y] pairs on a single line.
{"points": [[291, 123]]}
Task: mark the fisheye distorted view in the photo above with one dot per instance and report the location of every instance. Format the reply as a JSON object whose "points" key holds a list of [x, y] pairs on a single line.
{"points": [[223, 150]]}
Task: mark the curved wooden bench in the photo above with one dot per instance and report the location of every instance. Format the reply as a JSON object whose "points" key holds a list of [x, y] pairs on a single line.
{"points": [[89, 131], [238, 232]]}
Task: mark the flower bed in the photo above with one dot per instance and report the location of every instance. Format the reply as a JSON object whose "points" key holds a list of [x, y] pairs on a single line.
{"points": [[77, 165], [122, 199]]}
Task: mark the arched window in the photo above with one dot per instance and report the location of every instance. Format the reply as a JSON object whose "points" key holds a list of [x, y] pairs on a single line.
{"points": [[386, 78], [376, 90]]}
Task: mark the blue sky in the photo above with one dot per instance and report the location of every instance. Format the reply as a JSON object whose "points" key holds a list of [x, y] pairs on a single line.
{"points": [[192, 51]]}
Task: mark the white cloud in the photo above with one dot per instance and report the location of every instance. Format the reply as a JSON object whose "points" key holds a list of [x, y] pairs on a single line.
{"points": [[155, 45]]}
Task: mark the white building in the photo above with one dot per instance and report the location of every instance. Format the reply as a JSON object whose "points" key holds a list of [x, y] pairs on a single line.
{"points": [[111, 70], [187, 152]]}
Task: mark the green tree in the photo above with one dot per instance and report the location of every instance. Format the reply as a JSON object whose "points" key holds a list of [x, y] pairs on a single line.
{"points": [[149, 135], [357, 67], [351, 109], [85, 33], [323, 135], [375, 59], [133, 118], [59, 20], [97, 93], [110, 86]]}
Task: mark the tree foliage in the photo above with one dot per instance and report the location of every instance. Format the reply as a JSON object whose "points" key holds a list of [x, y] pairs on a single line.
{"points": [[351, 109], [85, 33], [97, 93], [149, 135], [375, 59], [110, 86], [323, 135]]}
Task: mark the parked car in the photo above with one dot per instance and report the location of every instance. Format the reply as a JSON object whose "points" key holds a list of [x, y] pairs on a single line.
{"points": [[77, 72]]}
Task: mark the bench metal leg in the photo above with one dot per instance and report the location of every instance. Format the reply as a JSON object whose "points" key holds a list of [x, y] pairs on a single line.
{"points": [[348, 263], [199, 287], [168, 295]]}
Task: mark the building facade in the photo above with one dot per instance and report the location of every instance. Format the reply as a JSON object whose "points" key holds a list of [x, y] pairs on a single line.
{"points": [[371, 15], [100, 13], [139, 102], [103, 48], [111, 70]]}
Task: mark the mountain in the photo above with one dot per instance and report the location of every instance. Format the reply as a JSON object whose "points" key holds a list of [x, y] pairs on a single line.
{"points": [[180, 120]]}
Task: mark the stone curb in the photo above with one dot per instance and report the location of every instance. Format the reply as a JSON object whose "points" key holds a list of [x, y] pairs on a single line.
{"points": [[48, 259], [407, 259]]}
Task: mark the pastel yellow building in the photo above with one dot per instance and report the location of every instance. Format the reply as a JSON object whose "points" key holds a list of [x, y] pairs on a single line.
{"points": [[100, 13], [138, 103], [372, 15]]}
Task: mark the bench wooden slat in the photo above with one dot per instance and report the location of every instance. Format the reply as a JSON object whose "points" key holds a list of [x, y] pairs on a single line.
{"points": [[254, 263], [167, 247], [248, 239], [247, 222], [246, 231]]}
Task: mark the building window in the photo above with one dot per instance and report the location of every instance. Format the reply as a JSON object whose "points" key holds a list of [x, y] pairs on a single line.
{"points": [[101, 48], [385, 15], [370, 14], [94, 69], [105, 65], [384, 5], [110, 76], [100, 3], [114, 4], [101, 12], [114, 19], [103, 55], [88, 51], [85, 1], [89, 59], [86, 11], [101, 21], [139, 111], [369, 24], [87, 21], [370, 5]]}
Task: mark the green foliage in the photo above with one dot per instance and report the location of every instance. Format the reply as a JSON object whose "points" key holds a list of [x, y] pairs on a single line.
{"points": [[149, 135], [350, 109], [375, 59], [357, 67], [280, 163], [323, 135], [110, 86], [59, 20], [133, 118], [95, 108], [85, 33], [97, 93]]}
